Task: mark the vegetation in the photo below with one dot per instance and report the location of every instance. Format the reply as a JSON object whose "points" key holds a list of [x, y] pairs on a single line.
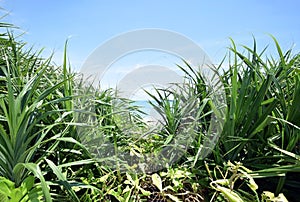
{"points": [[52, 125]]}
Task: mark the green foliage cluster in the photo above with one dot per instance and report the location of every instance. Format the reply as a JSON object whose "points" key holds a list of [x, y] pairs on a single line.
{"points": [[48, 116]]}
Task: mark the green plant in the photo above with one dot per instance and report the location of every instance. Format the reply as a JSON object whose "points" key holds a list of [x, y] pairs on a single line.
{"points": [[261, 125], [185, 113], [27, 191], [63, 140], [232, 186], [35, 118], [227, 185]]}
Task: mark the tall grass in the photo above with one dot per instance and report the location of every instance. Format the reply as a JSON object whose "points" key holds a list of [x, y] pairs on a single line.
{"points": [[63, 140], [34, 107], [262, 126]]}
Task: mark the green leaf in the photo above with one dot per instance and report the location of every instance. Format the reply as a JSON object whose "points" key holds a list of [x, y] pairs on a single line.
{"points": [[28, 182], [230, 195], [173, 198], [104, 177], [63, 179], [156, 180], [6, 186], [116, 194], [35, 169]]}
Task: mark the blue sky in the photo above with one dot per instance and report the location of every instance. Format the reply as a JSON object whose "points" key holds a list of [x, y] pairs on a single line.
{"points": [[48, 23]]}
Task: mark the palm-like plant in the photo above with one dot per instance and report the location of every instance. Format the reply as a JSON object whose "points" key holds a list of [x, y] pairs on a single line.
{"points": [[262, 123], [35, 108]]}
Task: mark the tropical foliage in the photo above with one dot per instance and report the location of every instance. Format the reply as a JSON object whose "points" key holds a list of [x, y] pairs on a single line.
{"points": [[52, 124]]}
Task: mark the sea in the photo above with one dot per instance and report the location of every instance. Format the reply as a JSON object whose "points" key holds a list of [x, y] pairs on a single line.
{"points": [[149, 112], [145, 106]]}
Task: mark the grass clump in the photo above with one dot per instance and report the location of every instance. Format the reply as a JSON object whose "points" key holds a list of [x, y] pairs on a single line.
{"points": [[51, 124]]}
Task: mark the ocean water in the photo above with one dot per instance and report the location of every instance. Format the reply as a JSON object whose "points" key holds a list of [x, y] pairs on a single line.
{"points": [[151, 116], [145, 106]]}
